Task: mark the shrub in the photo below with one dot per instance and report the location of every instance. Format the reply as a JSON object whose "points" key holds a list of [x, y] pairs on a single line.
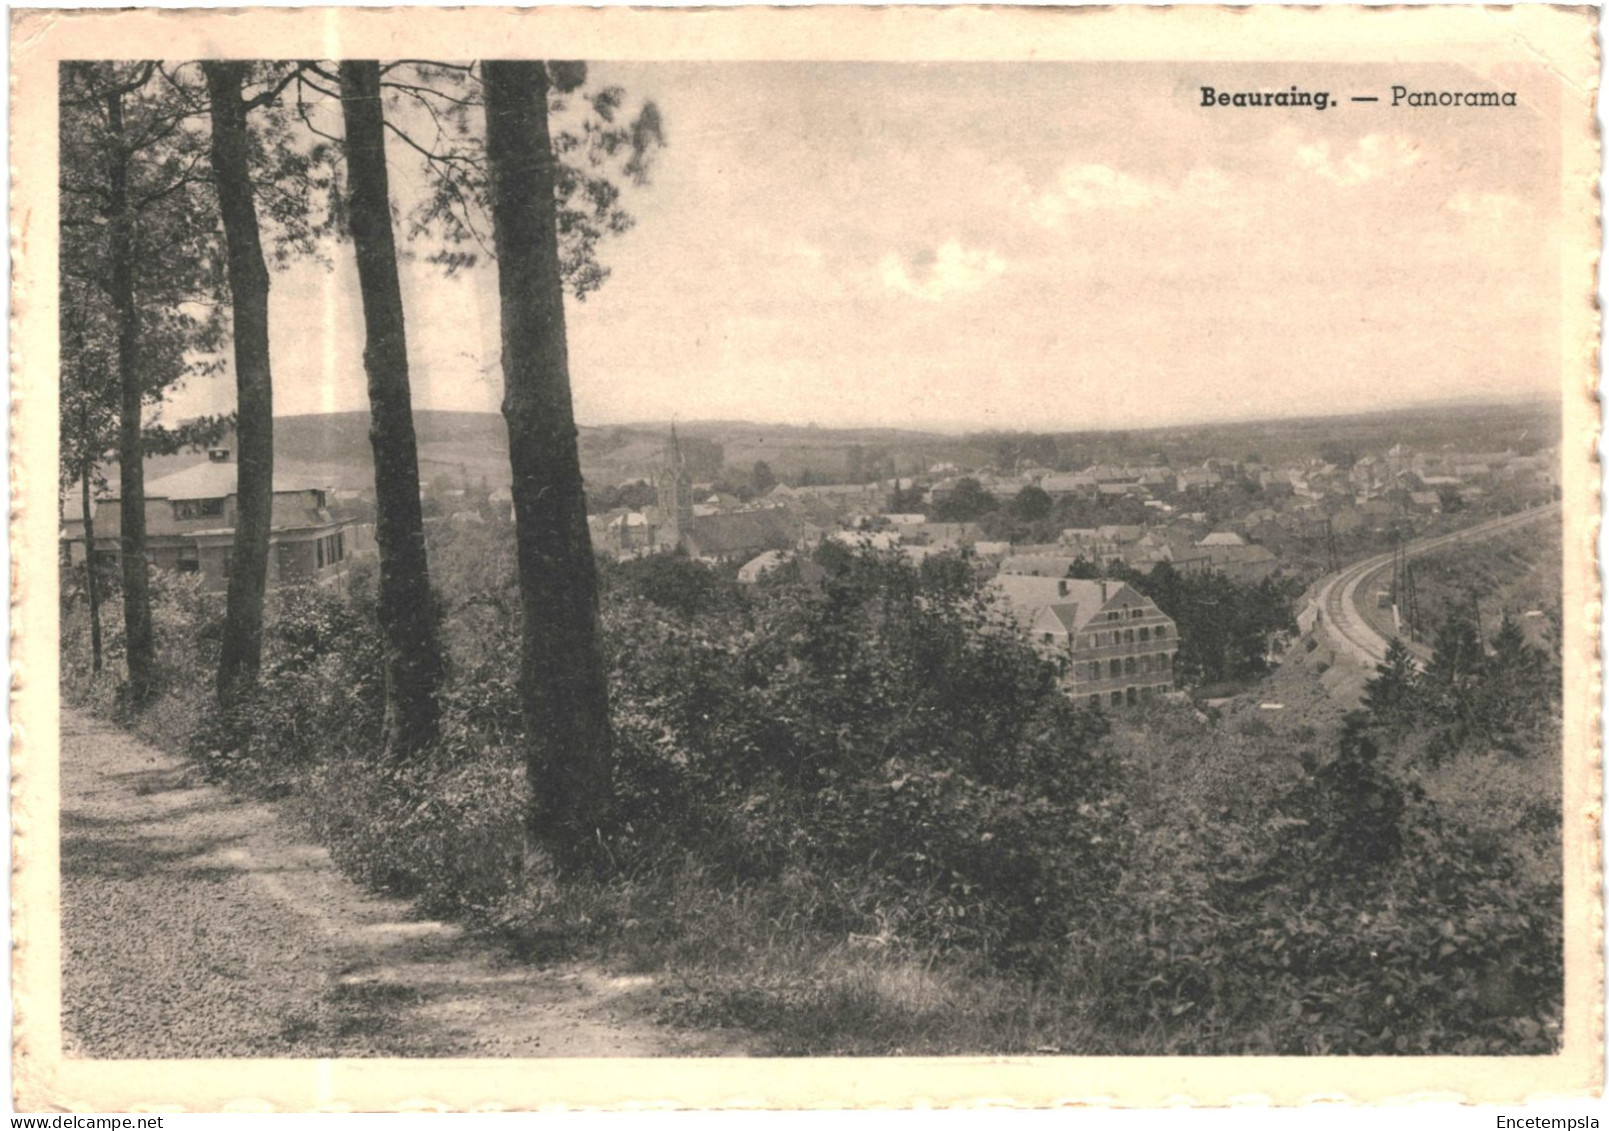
{"points": [[320, 690], [893, 726], [1343, 912], [443, 830]]}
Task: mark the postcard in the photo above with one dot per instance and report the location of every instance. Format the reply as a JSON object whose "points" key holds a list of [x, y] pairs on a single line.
{"points": [[798, 558]]}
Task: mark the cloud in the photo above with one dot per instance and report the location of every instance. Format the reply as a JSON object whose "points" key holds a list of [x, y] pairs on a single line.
{"points": [[950, 270], [1373, 157], [1084, 188]]}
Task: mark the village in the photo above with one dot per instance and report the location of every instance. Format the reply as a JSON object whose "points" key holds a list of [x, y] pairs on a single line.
{"points": [[1063, 584]]}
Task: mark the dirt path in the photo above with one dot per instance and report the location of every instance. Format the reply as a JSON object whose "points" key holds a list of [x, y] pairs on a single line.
{"points": [[195, 924]]}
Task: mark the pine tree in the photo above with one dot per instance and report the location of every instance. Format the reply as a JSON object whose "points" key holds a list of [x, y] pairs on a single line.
{"points": [[241, 650], [1452, 678], [137, 252], [563, 687], [1392, 696], [407, 623], [1515, 684]]}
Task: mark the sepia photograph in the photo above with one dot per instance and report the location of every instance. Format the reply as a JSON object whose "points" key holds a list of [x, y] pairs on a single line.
{"points": [[711, 548]]}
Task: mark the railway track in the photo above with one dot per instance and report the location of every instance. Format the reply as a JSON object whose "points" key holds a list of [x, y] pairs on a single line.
{"points": [[1336, 599]]}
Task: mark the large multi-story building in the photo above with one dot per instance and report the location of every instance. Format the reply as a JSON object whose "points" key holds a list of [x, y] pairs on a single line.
{"points": [[1111, 645], [190, 521]]}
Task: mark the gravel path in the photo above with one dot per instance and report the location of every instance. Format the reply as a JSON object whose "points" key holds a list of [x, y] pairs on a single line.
{"points": [[196, 924]]}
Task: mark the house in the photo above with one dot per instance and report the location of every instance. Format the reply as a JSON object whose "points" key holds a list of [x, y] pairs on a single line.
{"points": [[738, 536], [1112, 490], [868, 539], [1222, 538], [1061, 486], [1039, 565], [1111, 645], [1197, 479], [1245, 564], [190, 519], [622, 533], [946, 535], [773, 561]]}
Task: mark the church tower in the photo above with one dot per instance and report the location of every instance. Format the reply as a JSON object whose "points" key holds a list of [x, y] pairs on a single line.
{"points": [[675, 489]]}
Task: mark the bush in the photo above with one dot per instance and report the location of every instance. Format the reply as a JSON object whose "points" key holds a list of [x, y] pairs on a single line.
{"points": [[442, 830], [851, 809], [892, 727], [1343, 913], [320, 691]]}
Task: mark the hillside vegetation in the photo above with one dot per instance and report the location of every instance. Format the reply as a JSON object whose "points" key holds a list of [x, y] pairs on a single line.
{"points": [[860, 818], [1514, 574]]}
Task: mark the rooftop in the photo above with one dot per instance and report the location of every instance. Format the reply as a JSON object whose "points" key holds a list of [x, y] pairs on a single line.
{"points": [[214, 481]]}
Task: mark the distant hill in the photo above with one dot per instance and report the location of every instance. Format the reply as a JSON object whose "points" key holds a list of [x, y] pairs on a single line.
{"points": [[333, 448], [474, 445]]}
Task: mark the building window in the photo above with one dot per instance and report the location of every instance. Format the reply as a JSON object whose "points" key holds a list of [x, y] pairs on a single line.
{"points": [[1117, 698], [1132, 697], [1114, 616], [1145, 634], [1116, 668], [1046, 638], [1095, 670], [1162, 661], [1128, 666], [1161, 631], [1145, 665], [1094, 702], [1145, 693], [189, 560], [1128, 636], [186, 509], [1137, 613], [330, 549]]}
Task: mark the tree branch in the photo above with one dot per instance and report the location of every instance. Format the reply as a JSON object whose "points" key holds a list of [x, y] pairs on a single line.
{"points": [[273, 92]]}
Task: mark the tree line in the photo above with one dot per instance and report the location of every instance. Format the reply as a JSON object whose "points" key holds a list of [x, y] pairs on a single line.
{"points": [[184, 186], [1503, 690]]}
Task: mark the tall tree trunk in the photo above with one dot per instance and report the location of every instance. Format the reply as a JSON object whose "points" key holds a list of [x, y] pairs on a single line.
{"points": [[242, 646], [139, 645], [92, 585], [412, 655], [563, 689]]}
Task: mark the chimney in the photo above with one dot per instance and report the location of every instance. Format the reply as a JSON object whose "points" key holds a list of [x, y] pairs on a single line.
{"points": [[1061, 588], [1103, 589]]}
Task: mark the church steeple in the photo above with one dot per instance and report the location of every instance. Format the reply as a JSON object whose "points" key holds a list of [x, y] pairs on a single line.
{"points": [[675, 490]]}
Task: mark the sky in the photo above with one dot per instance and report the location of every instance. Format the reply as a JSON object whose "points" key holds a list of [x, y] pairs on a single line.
{"points": [[1022, 245]]}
